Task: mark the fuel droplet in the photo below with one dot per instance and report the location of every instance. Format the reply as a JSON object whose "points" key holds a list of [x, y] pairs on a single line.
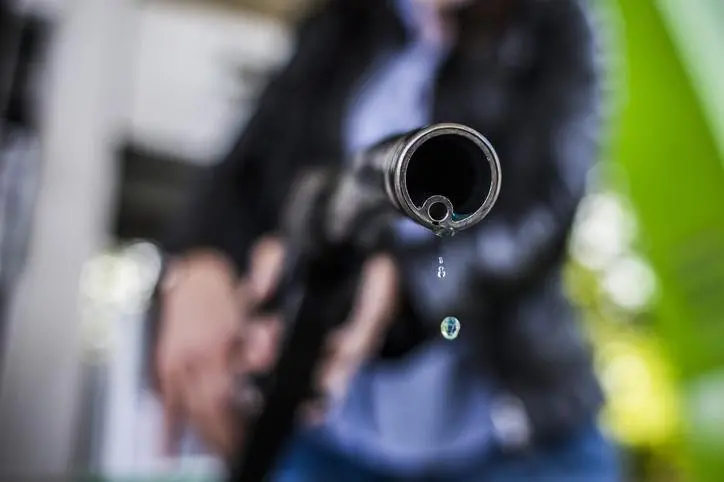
{"points": [[450, 327]]}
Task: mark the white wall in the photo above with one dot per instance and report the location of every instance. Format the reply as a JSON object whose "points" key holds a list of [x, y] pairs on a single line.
{"points": [[81, 121], [187, 95], [155, 73]]}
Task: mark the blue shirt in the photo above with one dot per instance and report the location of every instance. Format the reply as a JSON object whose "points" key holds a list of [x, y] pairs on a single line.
{"points": [[429, 411]]}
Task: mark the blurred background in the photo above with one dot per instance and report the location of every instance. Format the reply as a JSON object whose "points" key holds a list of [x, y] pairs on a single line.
{"points": [[108, 109]]}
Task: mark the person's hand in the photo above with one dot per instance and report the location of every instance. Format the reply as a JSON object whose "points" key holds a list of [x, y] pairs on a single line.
{"points": [[206, 338], [201, 315], [202, 348]]}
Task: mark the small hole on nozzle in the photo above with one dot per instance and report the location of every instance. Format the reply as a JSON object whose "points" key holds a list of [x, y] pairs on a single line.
{"points": [[437, 211]]}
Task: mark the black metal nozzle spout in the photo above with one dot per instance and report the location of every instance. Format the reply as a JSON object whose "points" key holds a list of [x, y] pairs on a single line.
{"points": [[445, 177]]}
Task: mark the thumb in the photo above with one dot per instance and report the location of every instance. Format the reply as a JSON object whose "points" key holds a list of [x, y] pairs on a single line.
{"points": [[371, 316], [374, 308], [267, 261]]}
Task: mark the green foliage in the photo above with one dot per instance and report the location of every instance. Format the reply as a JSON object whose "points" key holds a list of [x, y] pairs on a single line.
{"points": [[667, 152]]}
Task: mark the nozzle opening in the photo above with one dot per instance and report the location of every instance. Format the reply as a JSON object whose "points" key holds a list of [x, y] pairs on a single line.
{"points": [[437, 211], [453, 166]]}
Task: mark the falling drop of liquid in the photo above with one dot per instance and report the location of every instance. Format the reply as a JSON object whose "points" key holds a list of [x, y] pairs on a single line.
{"points": [[450, 327]]}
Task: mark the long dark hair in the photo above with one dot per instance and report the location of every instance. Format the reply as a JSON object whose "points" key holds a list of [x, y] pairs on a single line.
{"points": [[476, 20]]}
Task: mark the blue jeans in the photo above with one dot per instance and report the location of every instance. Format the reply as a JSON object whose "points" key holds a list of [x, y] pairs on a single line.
{"points": [[585, 456]]}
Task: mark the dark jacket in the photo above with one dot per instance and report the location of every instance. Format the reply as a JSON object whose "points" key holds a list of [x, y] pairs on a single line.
{"points": [[527, 81]]}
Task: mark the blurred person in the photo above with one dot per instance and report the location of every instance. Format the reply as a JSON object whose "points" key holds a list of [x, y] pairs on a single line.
{"points": [[514, 397]]}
